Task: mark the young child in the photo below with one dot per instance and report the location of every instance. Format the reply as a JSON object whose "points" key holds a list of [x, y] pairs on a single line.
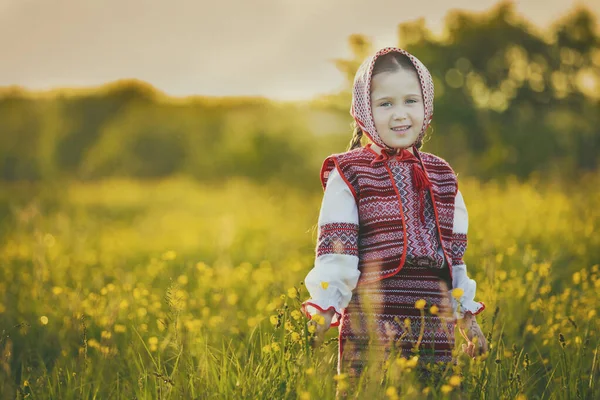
{"points": [[392, 229]]}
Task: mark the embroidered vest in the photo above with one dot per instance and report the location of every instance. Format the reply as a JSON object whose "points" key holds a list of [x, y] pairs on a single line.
{"points": [[382, 231]]}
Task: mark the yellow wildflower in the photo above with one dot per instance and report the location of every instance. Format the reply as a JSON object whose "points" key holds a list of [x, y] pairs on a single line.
{"points": [[446, 389], [454, 380], [273, 319], [457, 293], [319, 319], [44, 320], [296, 315], [232, 299], [275, 346], [292, 293], [324, 285], [340, 377], [420, 304], [295, 337], [412, 363], [391, 392], [304, 396], [182, 280], [266, 348], [434, 309], [312, 329]]}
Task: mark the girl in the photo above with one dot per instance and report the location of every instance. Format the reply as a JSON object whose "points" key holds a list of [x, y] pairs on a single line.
{"points": [[392, 230]]}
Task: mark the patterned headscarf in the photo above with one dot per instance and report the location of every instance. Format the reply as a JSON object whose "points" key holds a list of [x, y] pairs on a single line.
{"points": [[361, 95]]}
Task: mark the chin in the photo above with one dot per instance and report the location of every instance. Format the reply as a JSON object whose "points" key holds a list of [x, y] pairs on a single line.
{"points": [[403, 144]]}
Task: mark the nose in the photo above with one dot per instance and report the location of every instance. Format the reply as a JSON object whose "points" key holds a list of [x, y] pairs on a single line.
{"points": [[399, 114]]}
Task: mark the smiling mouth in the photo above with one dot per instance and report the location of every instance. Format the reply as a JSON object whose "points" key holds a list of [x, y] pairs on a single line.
{"points": [[401, 128]]}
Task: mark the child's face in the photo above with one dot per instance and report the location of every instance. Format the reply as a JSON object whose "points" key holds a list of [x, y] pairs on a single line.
{"points": [[397, 106]]}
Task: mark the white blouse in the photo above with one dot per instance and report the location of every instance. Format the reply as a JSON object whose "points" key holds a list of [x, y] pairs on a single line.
{"points": [[341, 271]]}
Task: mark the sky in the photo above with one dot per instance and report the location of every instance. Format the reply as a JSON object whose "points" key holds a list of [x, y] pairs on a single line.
{"points": [[281, 49]]}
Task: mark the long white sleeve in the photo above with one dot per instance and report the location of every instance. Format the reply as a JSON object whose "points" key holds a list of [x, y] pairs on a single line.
{"points": [[460, 279], [335, 273]]}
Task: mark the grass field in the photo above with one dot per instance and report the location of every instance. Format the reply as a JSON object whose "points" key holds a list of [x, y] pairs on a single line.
{"points": [[173, 289]]}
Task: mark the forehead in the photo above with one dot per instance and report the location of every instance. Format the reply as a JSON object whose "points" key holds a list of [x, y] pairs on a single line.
{"points": [[401, 82]]}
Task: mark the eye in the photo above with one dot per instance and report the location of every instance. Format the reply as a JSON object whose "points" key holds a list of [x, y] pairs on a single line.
{"points": [[384, 104], [411, 101]]}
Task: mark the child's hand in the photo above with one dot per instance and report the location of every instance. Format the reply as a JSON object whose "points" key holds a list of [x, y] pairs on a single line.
{"points": [[321, 321], [469, 328]]}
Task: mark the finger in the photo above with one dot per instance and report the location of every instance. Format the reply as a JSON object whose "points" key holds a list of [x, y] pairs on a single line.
{"points": [[463, 333], [471, 348], [468, 349]]}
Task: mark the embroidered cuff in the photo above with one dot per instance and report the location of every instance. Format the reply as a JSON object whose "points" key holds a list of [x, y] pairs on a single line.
{"points": [[466, 306], [310, 307]]}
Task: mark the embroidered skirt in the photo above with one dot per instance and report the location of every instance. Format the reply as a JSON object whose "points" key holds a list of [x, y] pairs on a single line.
{"points": [[381, 319]]}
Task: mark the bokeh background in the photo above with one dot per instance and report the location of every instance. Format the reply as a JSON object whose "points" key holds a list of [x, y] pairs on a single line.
{"points": [[159, 190]]}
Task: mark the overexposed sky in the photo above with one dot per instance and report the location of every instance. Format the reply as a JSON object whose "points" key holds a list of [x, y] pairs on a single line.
{"points": [[276, 48]]}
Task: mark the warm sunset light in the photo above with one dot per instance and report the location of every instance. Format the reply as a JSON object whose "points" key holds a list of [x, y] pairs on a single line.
{"points": [[299, 199], [281, 49]]}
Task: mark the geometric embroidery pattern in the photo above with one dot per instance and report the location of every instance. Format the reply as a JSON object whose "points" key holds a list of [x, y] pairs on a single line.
{"points": [[381, 238], [381, 316], [422, 236], [338, 238], [459, 246]]}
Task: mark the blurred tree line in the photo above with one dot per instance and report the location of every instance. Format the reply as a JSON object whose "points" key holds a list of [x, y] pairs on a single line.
{"points": [[509, 101]]}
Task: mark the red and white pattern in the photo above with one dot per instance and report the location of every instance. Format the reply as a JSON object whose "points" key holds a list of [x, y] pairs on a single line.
{"points": [[400, 291], [384, 313], [336, 265], [338, 238], [383, 235], [422, 236], [459, 246], [361, 99]]}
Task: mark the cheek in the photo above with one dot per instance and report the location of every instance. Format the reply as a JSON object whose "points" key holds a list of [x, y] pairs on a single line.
{"points": [[419, 114], [379, 116]]}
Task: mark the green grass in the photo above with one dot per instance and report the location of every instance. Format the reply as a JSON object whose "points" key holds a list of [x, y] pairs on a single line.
{"points": [[123, 289]]}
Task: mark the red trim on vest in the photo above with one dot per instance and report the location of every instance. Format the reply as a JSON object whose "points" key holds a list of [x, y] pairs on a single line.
{"points": [[449, 260], [368, 147], [324, 171], [404, 241], [337, 165]]}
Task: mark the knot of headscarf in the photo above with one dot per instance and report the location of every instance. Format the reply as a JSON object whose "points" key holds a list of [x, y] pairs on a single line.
{"points": [[420, 179]]}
